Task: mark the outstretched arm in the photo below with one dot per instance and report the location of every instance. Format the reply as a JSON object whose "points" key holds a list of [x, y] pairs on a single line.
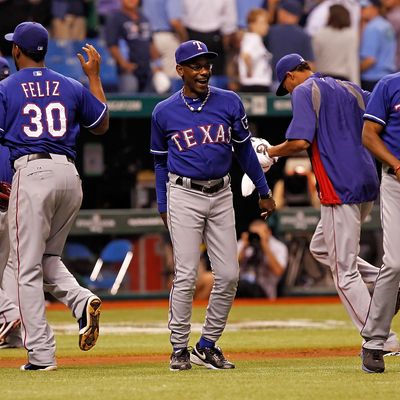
{"points": [[91, 68]]}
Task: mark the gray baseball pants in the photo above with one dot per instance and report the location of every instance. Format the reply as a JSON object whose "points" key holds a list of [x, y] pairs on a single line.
{"points": [[336, 243], [194, 218], [383, 302], [46, 196]]}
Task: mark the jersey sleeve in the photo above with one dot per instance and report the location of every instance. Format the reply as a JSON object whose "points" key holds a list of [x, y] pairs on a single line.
{"points": [[111, 30], [369, 44], [304, 120], [378, 106], [2, 112], [92, 110], [158, 141], [240, 124]]}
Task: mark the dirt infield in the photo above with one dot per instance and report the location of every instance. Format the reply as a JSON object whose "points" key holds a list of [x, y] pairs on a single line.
{"points": [[137, 359], [112, 304]]}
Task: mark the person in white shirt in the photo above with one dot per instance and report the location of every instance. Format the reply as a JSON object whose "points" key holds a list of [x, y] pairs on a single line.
{"points": [[255, 72]]}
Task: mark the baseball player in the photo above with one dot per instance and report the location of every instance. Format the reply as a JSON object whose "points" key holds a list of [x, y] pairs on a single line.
{"points": [[10, 334], [192, 136], [327, 121], [381, 136], [40, 112]]}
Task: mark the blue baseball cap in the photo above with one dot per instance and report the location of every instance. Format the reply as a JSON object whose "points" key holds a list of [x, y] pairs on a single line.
{"points": [[192, 49], [284, 65], [30, 36], [4, 68]]}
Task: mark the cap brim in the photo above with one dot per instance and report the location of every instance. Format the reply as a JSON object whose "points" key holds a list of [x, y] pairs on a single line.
{"points": [[208, 54], [9, 37], [281, 91]]}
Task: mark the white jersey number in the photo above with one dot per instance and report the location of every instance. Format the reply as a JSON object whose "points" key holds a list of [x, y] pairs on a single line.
{"points": [[53, 112]]}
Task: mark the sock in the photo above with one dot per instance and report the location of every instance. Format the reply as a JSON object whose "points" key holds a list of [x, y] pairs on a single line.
{"points": [[178, 349], [203, 342]]}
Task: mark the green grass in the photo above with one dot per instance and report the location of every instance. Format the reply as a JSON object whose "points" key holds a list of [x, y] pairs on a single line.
{"points": [[274, 378]]}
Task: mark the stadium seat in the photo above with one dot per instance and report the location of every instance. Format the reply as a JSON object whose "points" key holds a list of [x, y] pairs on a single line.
{"points": [[117, 252]]}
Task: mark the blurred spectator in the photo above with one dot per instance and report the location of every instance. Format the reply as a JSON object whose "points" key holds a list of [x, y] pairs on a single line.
{"points": [[255, 73], [214, 23], [243, 9], [165, 17], [103, 9], [69, 21], [392, 14], [287, 36], [262, 261], [133, 28], [377, 47], [297, 187], [336, 46], [319, 15], [4, 68]]}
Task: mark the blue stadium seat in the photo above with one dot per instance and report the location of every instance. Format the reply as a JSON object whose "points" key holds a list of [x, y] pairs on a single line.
{"points": [[118, 252]]}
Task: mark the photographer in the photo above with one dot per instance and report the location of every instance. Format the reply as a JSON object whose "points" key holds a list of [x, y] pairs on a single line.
{"points": [[262, 260]]}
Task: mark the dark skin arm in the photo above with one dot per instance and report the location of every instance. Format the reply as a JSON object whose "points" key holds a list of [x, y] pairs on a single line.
{"points": [[288, 148], [91, 68], [371, 138], [164, 218]]}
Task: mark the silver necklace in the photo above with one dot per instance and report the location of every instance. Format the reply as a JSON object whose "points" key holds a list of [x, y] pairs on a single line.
{"points": [[192, 109]]}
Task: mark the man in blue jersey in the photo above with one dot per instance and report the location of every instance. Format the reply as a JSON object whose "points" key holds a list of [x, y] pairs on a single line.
{"points": [[327, 122], [40, 113], [192, 136], [381, 136]]}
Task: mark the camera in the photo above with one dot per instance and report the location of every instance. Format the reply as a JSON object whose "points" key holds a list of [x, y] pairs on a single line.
{"points": [[254, 239]]}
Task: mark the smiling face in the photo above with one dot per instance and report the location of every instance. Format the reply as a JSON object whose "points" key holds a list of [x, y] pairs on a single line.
{"points": [[195, 74]]}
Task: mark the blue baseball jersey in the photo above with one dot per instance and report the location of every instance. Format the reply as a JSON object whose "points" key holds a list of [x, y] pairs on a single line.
{"points": [[344, 168], [41, 111], [198, 145], [384, 109], [6, 172]]}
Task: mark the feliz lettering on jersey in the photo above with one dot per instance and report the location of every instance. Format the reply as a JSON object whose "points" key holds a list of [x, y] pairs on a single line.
{"points": [[202, 134], [40, 89]]}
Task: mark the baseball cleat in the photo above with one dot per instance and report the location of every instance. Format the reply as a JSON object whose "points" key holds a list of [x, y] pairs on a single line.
{"points": [[33, 367], [7, 327], [89, 324], [372, 360], [180, 360], [210, 357]]}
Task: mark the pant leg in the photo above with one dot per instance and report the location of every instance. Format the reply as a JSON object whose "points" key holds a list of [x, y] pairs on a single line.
{"points": [[45, 197], [319, 250], [63, 286], [377, 326], [8, 308], [339, 228], [186, 215], [220, 238]]}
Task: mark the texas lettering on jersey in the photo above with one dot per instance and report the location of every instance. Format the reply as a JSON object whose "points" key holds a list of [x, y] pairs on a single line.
{"points": [[206, 134]]}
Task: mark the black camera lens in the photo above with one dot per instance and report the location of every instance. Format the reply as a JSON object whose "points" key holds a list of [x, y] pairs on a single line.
{"points": [[254, 238]]}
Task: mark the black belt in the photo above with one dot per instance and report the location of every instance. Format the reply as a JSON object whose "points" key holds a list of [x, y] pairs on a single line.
{"points": [[40, 156], [202, 188]]}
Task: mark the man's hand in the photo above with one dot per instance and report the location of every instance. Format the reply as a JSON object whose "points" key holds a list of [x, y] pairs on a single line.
{"points": [[91, 67], [267, 207], [164, 218]]}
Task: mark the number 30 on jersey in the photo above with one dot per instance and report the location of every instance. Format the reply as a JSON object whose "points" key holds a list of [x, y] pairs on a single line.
{"points": [[54, 117]]}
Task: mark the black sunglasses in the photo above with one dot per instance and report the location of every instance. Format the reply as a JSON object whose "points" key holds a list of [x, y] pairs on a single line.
{"points": [[199, 67]]}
